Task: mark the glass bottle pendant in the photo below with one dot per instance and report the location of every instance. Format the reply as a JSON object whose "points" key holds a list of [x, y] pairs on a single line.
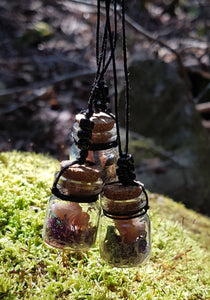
{"points": [[71, 224], [124, 234], [103, 150]]}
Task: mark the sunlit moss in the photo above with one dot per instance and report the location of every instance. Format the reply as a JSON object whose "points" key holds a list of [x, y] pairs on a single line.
{"points": [[178, 269]]}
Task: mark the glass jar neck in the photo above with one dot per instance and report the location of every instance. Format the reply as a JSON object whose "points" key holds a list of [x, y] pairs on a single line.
{"points": [[125, 209], [103, 146], [71, 197], [128, 216]]}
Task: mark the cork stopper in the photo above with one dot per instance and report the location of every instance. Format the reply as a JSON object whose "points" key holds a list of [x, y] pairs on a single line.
{"points": [[117, 191], [102, 121], [122, 200], [83, 173]]}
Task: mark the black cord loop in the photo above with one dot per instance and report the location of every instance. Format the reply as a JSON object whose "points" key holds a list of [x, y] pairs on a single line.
{"points": [[103, 146], [100, 146], [138, 213], [55, 190]]}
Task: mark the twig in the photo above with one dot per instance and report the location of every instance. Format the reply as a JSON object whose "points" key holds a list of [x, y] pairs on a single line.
{"points": [[202, 73], [87, 3], [203, 107], [206, 124], [37, 94], [152, 38], [45, 83], [202, 94]]}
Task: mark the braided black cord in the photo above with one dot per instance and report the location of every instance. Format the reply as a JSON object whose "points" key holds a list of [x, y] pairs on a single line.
{"points": [[98, 30], [84, 136], [101, 95], [125, 163], [105, 48], [100, 73], [112, 47], [85, 132], [126, 78]]}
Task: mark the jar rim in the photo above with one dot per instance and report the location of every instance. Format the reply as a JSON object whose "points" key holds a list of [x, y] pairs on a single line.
{"points": [[119, 216]]}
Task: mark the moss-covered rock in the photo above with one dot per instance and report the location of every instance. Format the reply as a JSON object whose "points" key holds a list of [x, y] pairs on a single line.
{"points": [[161, 111], [178, 269]]}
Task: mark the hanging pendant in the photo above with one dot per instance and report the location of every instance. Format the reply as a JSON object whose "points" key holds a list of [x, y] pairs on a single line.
{"points": [[124, 234], [103, 148], [72, 215]]}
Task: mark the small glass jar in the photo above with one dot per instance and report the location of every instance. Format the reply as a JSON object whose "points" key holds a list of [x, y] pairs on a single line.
{"points": [[103, 150], [124, 232], [73, 224]]}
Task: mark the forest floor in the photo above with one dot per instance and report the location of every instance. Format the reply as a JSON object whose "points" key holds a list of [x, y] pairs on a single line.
{"points": [[47, 62]]}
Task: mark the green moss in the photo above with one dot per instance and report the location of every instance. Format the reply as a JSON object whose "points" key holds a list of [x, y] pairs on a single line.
{"points": [[178, 269], [143, 148]]}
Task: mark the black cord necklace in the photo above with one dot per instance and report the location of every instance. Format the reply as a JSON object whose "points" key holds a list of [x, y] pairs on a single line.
{"points": [[86, 125], [125, 162], [102, 64]]}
